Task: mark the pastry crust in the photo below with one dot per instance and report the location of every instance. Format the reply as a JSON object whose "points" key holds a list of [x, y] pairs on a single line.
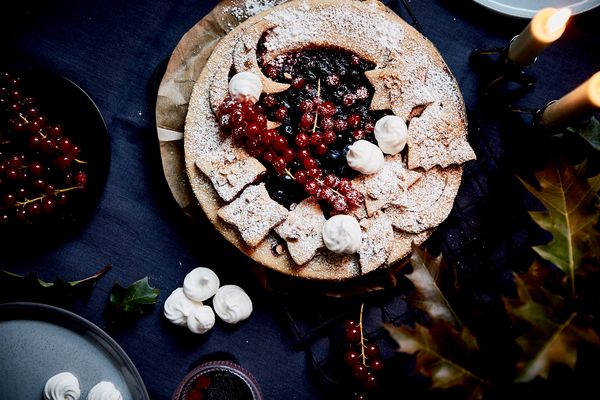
{"points": [[374, 33]]}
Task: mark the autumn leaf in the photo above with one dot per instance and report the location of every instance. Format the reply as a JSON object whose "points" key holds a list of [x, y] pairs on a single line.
{"points": [[590, 132], [443, 354], [570, 216], [554, 329], [30, 287], [427, 295]]}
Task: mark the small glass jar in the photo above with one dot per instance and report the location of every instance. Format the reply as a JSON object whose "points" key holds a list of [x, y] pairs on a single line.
{"points": [[218, 380]]}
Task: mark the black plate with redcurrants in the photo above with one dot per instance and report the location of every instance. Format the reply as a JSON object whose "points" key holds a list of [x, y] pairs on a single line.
{"points": [[54, 157]]}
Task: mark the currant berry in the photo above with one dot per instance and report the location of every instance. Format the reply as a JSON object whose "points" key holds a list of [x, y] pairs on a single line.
{"points": [[301, 176], [302, 140], [298, 82], [311, 186], [252, 130], [307, 120], [309, 163], [281, 113], [279, 143], [372, 351], [327, 109], [327, 124], [351, 357], [329, 137], [269, 101], [306, 106], [359, 372], [303, 155], [321, 149], [353, 120]]}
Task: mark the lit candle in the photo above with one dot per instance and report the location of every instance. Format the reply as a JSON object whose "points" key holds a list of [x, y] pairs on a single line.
{"points": [[546, 27], [580, 103]]}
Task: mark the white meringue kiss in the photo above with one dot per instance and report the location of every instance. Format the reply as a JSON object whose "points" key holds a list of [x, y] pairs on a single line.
{"points": [[63, 386], [178, 307], [246, 84], [201, 320], [232, 304], [104, 391], [200, 284], [390, 133], [342, 234], [364, 157]]}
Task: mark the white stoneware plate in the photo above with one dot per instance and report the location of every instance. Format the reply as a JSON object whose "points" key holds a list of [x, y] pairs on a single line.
{"points": [[39, 341], [528, 8]]}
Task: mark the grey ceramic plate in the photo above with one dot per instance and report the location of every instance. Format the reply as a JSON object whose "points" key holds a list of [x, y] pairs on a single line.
{"points": [[38, 341], [528, 8]]}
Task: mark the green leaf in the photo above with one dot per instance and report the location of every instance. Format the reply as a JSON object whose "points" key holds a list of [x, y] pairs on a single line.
{"points": [[590, 132], [131, 299], [570, 217], [554, 329], [426, 278], [443, 354], [30, 287]]}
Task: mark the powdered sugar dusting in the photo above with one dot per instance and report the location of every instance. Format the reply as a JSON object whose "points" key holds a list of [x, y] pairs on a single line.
{"points": [[376, 242], [251, 7], [323, 23], [302, 230], [254, 214]]}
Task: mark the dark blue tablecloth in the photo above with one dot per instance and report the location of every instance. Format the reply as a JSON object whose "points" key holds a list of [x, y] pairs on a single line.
{"points": [[112, 48]]}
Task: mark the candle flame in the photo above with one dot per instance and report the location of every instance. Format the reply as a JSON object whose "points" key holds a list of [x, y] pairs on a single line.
{"points": [[557, 21]]}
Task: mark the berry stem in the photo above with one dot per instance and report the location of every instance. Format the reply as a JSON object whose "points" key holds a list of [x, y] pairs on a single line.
{"points": [[23, 118], [317, 108], [27, 201], [362, 337]]}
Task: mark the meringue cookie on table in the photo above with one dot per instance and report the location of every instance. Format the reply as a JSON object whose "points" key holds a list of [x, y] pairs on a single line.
{"points": [[200, 284], [246, 84], [178, 307], [364, 157], [63, 386], [201, 320], [390, 133], [342, 234], [232, 304], [104, 391]]}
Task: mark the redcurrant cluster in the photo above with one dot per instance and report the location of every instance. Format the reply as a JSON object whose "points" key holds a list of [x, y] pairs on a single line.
{"points": [[362, 359], [299, 160], [38, 162]]}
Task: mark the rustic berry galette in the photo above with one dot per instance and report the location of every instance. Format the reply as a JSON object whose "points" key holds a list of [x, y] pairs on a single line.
{"points": [[324, 137]]}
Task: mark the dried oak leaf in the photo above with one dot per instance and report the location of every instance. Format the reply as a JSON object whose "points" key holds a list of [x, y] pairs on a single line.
{"points": [[31, 288], [442, 353], [426, 278], [554, 329], [570, 217]]}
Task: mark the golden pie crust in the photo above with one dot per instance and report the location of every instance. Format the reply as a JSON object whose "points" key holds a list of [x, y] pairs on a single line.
{"points": [[410, 79]]}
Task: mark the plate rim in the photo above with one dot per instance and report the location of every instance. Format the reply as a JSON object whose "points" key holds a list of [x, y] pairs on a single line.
{"points": [[498, 6], [84, 323]]}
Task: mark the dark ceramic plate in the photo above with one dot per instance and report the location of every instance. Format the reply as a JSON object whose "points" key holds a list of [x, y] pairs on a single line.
{"points": [[39, 341], [66, 103]]}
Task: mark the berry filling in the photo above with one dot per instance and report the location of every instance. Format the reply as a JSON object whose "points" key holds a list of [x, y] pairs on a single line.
{"points": [[324, 111]]}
